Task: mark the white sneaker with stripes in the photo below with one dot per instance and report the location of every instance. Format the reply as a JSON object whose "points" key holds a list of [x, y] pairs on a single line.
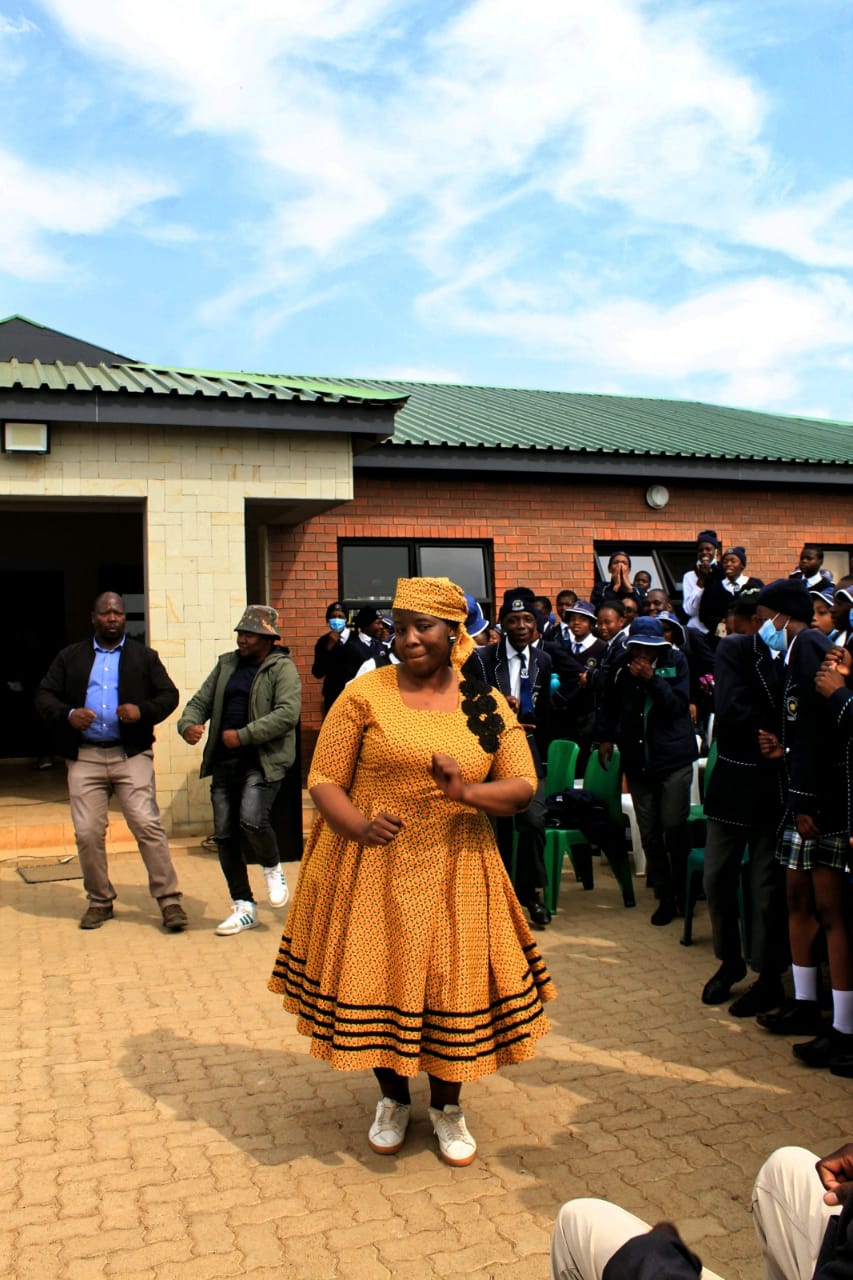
{"points": [[244, 916], [276, 885]]}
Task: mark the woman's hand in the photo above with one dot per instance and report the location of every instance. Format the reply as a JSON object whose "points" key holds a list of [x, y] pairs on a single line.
{"points": [[381, 830], [447, 776]]}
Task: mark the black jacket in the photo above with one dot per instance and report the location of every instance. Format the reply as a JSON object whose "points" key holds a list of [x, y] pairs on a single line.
{"points": [[142, 679], [649, 720], [540, 667], [717, 600], [816, 740], [745, 788]]}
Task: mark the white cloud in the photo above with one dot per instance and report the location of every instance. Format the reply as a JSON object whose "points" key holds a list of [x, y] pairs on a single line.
{"points": [[753, 336], [38, 205], [630, 125]]}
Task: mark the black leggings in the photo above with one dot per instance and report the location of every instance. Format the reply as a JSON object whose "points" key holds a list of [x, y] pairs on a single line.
{"points": [[442, 1093]]}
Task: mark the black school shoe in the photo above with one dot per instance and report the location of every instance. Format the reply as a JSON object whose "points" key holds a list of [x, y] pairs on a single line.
{"points": [[825, 1050], [793, 1018], [719, 987], [540, 916], [764, 994], [665, 913]]}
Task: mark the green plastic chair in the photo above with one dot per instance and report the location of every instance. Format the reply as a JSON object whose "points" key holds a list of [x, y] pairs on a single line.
{"points": [[697, 811], [606, 784], [560, 770], [561, 765]]}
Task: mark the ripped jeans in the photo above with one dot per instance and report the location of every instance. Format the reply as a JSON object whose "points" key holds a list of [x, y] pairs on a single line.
{"points": [[242, 802]]}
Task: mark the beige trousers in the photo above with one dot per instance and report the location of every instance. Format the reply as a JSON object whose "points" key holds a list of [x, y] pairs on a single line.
{"points": [[96, 774], [586, 1235], [788, 1211]]}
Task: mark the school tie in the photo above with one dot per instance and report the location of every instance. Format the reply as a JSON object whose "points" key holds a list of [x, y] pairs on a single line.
{"points": [[525, 693], [577, 648]]}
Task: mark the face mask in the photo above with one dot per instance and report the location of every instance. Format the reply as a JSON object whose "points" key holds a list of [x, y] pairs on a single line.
{"points": [[337, 624], [774, 639]]}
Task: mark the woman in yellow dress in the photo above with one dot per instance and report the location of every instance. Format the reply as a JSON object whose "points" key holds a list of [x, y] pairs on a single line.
{"points": [[406, 949]]}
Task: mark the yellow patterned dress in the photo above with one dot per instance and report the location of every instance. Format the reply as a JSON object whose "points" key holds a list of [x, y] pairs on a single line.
{"points": [[416, 955]]}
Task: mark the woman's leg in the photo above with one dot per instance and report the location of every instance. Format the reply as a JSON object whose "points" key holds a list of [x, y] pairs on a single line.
{"points": [[393, 1086], [828, 891], [802, 922], [443, 1093]]}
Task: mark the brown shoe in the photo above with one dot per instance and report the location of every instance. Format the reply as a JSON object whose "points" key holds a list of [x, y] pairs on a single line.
{"points": [[94, 917], [175, 918]]}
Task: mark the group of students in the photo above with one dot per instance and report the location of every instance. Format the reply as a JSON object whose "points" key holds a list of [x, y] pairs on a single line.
{"points": [[764, 668]]}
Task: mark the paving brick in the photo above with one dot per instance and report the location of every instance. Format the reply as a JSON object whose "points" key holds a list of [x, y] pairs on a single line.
{"points": [[188, 1127]]}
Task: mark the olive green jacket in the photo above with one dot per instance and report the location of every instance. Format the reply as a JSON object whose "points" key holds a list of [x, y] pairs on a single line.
{"points": [[275, 701]]}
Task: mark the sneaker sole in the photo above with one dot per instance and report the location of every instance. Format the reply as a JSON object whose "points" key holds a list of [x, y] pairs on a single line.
{"points": [[385, 1151], [458, 1164], [232, 933]]}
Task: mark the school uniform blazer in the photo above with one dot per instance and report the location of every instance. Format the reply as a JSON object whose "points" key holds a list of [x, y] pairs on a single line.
{"points": [[142, 679], [745, 789], [540, 666], [815, 740]]}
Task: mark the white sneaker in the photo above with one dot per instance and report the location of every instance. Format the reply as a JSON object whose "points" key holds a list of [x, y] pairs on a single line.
{"points": [[276, 885], [388, 1131], [455, 1143], [244, 916]]}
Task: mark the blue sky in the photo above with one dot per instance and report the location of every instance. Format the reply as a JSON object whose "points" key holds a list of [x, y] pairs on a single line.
{"points": [[591, 195]]}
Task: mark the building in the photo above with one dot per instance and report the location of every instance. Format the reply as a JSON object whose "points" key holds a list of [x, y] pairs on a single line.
{"points": [[193, 491]]}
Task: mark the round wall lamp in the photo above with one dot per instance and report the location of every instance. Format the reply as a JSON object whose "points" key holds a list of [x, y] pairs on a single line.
{"points": [[657, 496]]}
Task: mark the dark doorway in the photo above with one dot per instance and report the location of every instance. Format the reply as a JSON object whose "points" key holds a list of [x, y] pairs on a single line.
{"points": [[30, 637], [53, 562]]}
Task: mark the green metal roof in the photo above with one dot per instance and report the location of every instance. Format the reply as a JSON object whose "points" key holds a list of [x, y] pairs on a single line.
{"points": [[142, 379], [501, 418]]}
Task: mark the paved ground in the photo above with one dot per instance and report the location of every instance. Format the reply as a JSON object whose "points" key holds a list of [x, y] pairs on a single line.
{"points": [[160, 1118]]}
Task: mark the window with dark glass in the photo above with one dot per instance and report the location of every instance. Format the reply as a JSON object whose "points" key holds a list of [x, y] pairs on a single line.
{"points": [[369, 569]]}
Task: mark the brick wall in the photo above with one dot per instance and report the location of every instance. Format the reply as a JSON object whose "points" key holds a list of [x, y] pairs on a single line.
{"points": [[543, 534]]}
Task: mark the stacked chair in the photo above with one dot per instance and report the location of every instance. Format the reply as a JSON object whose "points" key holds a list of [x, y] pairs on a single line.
{"points": [[606, 786]]}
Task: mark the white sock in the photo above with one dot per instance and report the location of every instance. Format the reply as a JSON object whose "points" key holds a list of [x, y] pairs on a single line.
{"points": [[842, 1011], [805, 981]]}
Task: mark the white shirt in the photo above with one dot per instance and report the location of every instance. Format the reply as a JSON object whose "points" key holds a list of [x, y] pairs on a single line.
{"points": [[514, 663], [691, 599], [585, 644], [737, 585]]}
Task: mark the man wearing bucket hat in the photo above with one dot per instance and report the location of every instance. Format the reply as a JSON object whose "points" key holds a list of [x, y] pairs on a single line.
{"points": [[646, 712], [252, 699]]}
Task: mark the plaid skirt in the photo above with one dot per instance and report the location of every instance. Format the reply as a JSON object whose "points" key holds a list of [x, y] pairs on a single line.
{"points": [[798, 854]]}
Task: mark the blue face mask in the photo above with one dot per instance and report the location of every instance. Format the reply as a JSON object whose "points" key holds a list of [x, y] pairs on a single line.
{"points": [[337, 624], [774, 639]]}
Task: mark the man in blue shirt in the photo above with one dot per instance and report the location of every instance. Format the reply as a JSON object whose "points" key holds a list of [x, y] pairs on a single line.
{"points": [[104, 696]]}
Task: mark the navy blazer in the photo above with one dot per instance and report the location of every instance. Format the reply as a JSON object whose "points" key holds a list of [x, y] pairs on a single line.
{"points": [[540, 667], [816, 740], [745, 788]]}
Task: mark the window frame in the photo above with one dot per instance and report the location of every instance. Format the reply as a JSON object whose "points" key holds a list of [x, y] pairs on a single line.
{"points": [[413, 545]]}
